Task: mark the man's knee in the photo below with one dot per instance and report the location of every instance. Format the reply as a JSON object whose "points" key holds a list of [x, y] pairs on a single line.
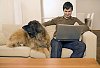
{"points": [[82, 46], [54, 42]]}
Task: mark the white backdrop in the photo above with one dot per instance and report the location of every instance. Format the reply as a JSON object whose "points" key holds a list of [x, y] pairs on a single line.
{"points": [[22, 11], [54, 8]]}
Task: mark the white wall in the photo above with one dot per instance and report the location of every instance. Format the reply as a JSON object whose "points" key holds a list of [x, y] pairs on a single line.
{"points": [[6, 12], [19, 11], [54, 8], [31, 10], [23, 11], [89, 6]]}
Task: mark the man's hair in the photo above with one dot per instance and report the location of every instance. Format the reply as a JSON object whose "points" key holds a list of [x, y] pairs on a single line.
{"points": [[67, 5]]}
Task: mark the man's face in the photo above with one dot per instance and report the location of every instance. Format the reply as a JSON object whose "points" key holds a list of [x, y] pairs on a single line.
{"points": [[67, 12]]}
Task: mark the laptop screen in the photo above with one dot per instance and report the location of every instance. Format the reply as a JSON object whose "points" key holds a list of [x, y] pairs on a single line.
{"points": [[69, 32]]}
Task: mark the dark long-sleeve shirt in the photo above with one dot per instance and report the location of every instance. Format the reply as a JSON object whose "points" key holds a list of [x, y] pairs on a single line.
{"points": [[61, 20]]}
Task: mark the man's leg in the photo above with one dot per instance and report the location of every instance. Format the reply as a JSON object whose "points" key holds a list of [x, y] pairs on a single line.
{"points": [[77, 47], [56, 48]]}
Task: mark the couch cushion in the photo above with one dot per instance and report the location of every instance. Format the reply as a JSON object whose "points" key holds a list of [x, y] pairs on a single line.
{"points": [[16, 51], [9, 29], [66, 52], [2, 39], [36, 54], [50, 30]]}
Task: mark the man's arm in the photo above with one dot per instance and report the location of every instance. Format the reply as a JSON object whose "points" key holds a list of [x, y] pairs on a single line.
{"points": [[86, 28], [79, 22], [51, 22], [48, 23]]}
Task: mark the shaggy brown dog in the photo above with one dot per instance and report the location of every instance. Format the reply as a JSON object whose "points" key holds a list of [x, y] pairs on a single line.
{"points": [[32, 35]]}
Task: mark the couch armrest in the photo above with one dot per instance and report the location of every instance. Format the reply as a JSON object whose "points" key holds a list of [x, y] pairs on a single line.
{"points": [[90, 39]]}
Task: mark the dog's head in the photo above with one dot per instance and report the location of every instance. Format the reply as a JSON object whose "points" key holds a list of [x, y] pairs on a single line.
{"points": [[33, 28]]}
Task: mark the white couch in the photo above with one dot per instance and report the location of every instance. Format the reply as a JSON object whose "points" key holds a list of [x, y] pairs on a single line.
{"points": [[89, 38]]}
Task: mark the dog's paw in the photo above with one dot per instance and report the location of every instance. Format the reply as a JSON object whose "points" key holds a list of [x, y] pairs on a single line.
{"points": [[48, 56]]}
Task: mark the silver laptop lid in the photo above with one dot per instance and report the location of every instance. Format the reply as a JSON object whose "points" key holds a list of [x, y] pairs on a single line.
{"points": [[69, 32]]}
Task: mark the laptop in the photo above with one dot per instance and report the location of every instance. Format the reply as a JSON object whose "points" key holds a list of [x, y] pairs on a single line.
{"points": [[69, 32]]}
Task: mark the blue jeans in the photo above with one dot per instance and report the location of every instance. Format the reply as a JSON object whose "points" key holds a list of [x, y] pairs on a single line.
{"points": [[78, 48]]}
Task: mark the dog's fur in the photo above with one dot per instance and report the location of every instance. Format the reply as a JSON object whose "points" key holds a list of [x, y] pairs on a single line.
{"points": [[32, 35]]}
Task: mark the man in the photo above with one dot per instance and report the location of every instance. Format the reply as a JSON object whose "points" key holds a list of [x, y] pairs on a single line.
{"points": [[78, 47]]}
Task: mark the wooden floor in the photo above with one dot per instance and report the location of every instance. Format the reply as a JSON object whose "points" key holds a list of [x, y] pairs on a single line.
{"points": [[48, 63], [97, 32]]}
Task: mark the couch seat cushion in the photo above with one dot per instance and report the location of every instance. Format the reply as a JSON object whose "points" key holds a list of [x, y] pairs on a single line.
{"points": [[2, 39], [65, 53], [16, 51]]}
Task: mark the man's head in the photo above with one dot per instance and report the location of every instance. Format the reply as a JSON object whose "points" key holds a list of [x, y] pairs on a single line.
{"points": [[67, 8]]}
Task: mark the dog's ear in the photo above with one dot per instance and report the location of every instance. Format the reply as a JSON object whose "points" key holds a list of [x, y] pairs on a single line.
{"points": [[30, 23], [26, 27]]}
